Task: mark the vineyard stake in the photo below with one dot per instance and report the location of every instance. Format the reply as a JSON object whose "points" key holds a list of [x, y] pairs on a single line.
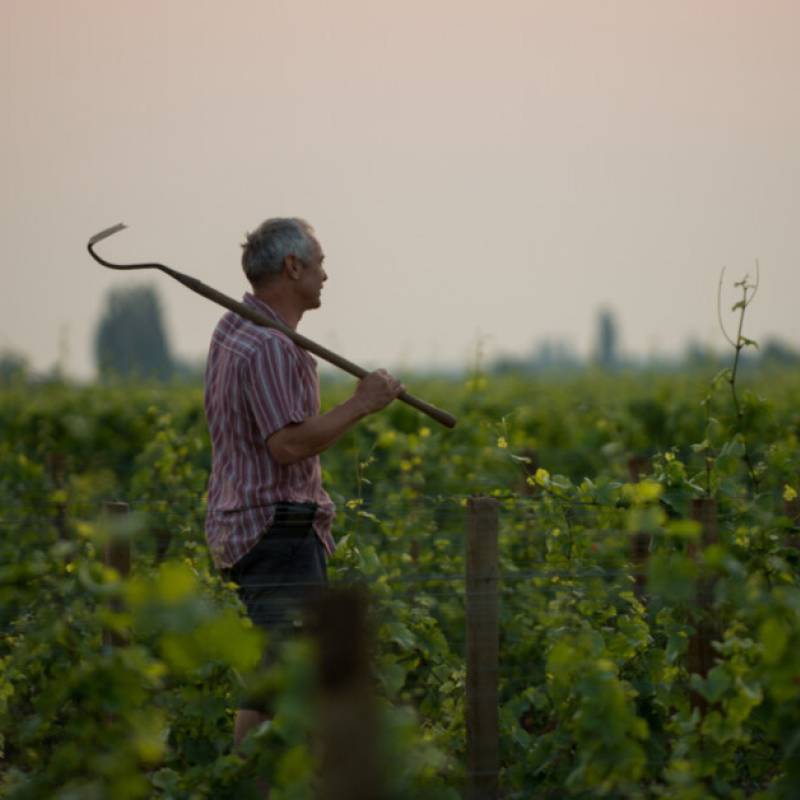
{"points": [[638, 467], [442, 417], [791, 508], [348, 723], [482, 648], [701, 652], [117, 555], [56, 470]]}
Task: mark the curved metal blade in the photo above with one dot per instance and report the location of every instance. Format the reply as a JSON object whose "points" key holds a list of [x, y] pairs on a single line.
{"points": [[106, 233]]}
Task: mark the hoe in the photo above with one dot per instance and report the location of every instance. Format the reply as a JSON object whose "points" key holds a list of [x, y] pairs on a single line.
{"points": [[195, 285]]}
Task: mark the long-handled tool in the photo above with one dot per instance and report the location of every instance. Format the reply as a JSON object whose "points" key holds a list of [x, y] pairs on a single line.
{"points": [[195, 285]]}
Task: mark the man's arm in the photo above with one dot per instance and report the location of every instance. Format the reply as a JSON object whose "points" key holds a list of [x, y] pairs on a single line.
{"points": [[316, 434]]}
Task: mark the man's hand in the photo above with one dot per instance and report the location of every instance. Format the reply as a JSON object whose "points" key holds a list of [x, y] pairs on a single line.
{"points": [[376, 390], [316, 434]]}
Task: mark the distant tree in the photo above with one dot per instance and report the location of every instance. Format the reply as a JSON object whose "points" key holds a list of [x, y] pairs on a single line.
{"points": [[606, 355], [700, 356], [13, 367], [189, 370], [131, 340], [779, 353], [554, 355]]}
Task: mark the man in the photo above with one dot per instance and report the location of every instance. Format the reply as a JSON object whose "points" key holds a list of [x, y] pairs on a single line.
{"points": [[269, 518]]}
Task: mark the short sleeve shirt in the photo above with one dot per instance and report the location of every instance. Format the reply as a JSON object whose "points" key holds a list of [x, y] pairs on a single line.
{"points": [[257, 381]]}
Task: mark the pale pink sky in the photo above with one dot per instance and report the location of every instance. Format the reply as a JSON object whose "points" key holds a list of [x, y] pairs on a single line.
{"points": [[489, 171]]}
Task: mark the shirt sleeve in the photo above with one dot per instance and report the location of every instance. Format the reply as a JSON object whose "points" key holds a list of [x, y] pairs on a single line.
{"points": [[272, 387]]}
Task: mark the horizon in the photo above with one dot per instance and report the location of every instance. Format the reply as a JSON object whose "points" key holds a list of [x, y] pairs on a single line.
{"points": [[546, 356]]}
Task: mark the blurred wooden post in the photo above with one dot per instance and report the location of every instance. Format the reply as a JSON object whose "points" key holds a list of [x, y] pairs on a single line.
{"points": [[639, 466], [791, 508], [348, 721], [701, 653], [116, 554], [56, 470], [482, 649], [417, 509], [640, 554], [163, 537]]}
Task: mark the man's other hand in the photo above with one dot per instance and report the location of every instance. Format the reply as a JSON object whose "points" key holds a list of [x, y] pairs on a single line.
{"points": [[376, 390]]}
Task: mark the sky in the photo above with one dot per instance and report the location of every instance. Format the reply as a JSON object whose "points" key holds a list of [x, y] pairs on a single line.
{"points": [[482, 176]]}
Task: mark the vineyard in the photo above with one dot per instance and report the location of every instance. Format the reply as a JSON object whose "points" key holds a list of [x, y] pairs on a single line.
{"points": [[648, 605]]}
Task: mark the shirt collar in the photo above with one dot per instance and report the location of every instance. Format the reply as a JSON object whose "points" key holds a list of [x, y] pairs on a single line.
{"points": [[256, 302]]}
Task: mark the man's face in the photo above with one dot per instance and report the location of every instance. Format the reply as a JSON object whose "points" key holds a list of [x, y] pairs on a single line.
{"points": [[312, 276]]}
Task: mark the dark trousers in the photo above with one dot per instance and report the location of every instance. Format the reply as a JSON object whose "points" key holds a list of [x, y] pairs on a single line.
{"points": [[283, 573]]}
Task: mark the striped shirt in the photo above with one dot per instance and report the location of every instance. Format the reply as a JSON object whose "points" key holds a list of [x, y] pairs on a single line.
{"points": [[257, 381]]}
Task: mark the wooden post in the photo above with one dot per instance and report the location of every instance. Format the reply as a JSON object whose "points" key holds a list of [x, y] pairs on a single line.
{"points": [[348, 722], [701, 653], [163, 537], [116, 554], [791, 508], [482, 649], [640, 553], [638, 466], [56, 469]]}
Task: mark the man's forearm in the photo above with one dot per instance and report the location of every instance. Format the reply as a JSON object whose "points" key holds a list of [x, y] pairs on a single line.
{"points": [[315, 434]]}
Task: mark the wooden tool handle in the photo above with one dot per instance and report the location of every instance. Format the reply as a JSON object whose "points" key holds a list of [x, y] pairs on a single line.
{"points": [[248, 312]]}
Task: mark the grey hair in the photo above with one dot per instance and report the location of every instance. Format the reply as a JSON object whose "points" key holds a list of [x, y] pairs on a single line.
{"points": [[268, 245]]}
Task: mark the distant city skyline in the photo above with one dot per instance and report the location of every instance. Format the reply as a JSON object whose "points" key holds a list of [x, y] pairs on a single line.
{"points": [[478, 176], [141, 348]]}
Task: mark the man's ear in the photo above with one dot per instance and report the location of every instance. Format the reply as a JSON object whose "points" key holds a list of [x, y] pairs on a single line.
{"points": [[292, 266]]}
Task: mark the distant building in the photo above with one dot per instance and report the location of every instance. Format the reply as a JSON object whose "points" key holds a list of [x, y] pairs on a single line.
{"points": [[606, 354]]}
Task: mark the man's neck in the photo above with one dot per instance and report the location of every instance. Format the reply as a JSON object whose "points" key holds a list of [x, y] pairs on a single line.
{"points": [[279, 302]]}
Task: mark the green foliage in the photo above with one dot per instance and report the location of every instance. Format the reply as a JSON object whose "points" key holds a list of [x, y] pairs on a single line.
{"points": [[597, 694]]}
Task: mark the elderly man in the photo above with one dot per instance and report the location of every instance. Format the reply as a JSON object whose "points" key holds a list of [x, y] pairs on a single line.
{"points": [[269, 517]]}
